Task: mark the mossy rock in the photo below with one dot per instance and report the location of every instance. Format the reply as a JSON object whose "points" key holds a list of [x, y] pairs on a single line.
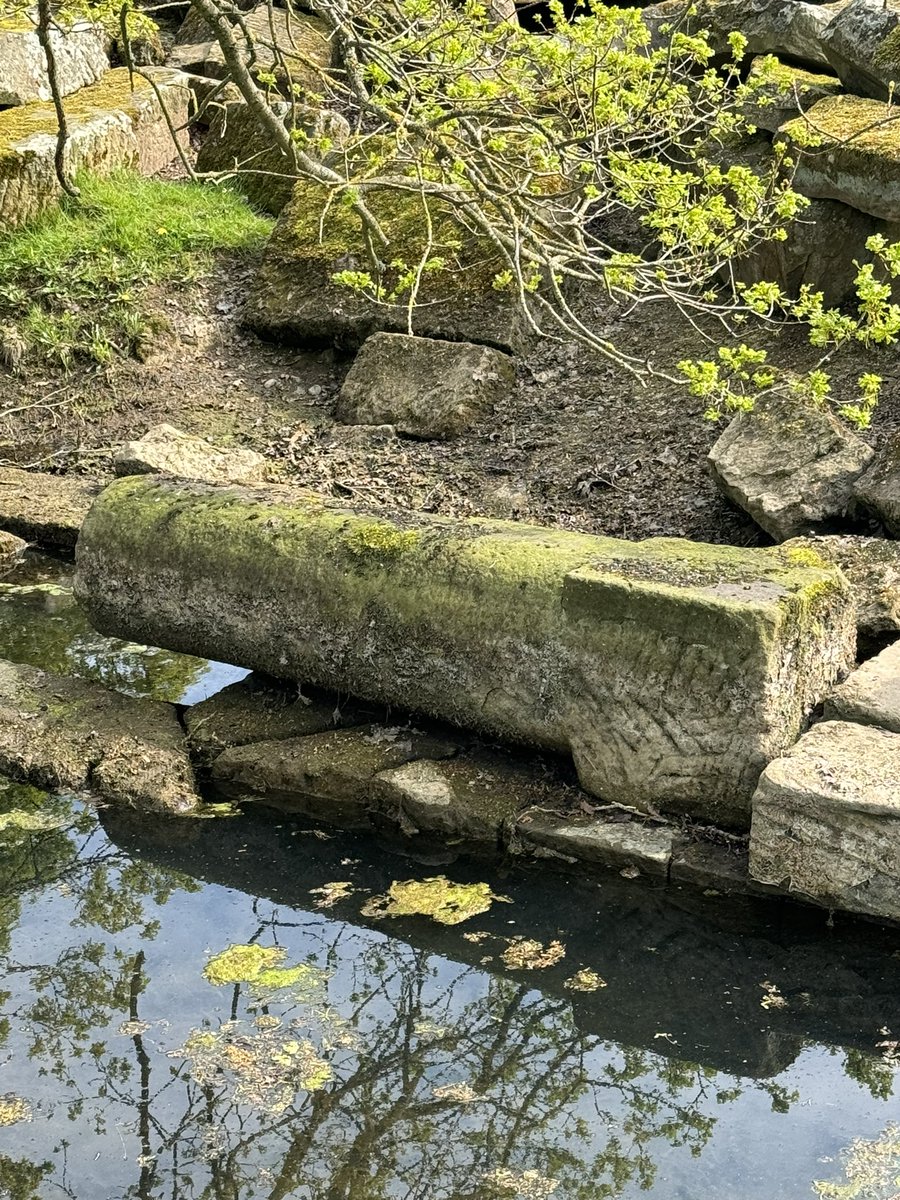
{"points": [[782, 92], [862, 44], [306, 51], [79, 51]]}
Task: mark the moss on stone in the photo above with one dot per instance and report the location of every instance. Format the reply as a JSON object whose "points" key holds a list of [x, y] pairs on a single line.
{"points": [[887, 53], [850, 126], [114, 93]]}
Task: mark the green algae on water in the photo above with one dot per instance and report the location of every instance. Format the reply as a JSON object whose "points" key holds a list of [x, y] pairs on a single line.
{"points": [[445, 902]]}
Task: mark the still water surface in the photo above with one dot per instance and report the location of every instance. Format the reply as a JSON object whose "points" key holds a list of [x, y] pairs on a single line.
{"points": [[732, 1052]]}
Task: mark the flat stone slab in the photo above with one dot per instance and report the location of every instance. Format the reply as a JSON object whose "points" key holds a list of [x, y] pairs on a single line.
{"points": [[328, 775], [169, 451], [79, 52], [423, 387], [872, 568], [45, 509], [671, 671], [619, 844], [826, 820], [111, 127], [854, 155], [65, 734], [789, 465], [258, 709], [871, 695]]}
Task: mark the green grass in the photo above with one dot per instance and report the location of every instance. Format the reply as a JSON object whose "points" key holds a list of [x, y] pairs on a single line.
{"points": [[73, 285]]}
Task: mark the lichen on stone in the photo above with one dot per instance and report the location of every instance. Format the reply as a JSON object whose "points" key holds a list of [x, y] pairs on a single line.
{"points": [[445, 902]]}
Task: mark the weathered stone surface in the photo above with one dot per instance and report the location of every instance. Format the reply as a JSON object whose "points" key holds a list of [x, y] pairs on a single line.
{"points": [[826, 819], [620, 844], [855, 157], [878, 488], [11, 548], [785, 27], [294, 298], [473, 796], [111, 127], [80, 54], [863, 47], [259, 709], [871, 695], [783, 92], [328, 775], [47, 509], [169, 451], [872, 568], [672, 671], [236, 144], [789, 465], [305, 50], [60, 733], [425, 388]]}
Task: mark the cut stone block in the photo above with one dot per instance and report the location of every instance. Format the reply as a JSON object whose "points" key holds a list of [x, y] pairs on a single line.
{"points": [[672, 671], [258, 709], [789, 465], [327, 775], [878, 488], [784, 92], [79, 52], [826, 820], [111, 128], [424, 388], [294, 297], [872, 568], [785, 27], [305, 50], [854, 155], [862, 44], [871, 695], [168, 451], [46, 509], [61, 734], [619, 844]]}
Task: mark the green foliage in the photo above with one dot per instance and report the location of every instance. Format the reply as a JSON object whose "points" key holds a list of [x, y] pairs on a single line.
{"points": [[74, 283]]}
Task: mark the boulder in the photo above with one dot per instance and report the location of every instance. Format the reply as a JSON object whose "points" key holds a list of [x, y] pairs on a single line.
{"points": [[871, 566], [862, 44], [672, 671], [618, 844], [11, 548], [258, 709], [424, 388], [846, 151], [790, 465], [326, 775], [871, 695], [79, 51], [785, 27], [62, 734], [474, 797], [782, 92], [168, 451], [826, 820], [294, 296], [305, 51], [111, 127], [878, 488], [236, 144], [46, 509]]}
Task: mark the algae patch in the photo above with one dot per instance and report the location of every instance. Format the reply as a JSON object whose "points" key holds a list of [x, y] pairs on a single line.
{"points": [[525, 954], [262, 967], [584, 980], [14, 1109], [871, 1170], [445, 902], [30, 822]]}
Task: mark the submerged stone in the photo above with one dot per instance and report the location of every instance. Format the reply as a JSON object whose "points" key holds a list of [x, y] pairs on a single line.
{"points": [[169, 451], [66, 734], [871, 695], [46, 509], [826, 820], [790, 465], [617, 844]]}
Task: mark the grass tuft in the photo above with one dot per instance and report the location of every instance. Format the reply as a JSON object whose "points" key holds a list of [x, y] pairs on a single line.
{"points": [[73, 285]]}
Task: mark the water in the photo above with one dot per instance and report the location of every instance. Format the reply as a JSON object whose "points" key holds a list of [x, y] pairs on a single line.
{"points": [[734, 1050]]}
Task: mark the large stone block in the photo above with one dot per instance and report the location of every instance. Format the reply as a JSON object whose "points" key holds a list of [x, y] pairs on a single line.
{"points": [[872, 568], [782, 92], [871, 696], [111, 127], [786, 27], [862, 45], [80, 54], [672, 671], [826, 820], [305, 50], [42, 508]]}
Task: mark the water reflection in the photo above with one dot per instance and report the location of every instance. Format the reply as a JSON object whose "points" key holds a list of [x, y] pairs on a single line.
{"points": [[346, 1060]]}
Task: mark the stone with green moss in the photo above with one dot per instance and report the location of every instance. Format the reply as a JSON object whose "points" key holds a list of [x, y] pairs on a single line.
{"points": [[862, 44], [782, 92], [79, 51], [847, 151], [65, 734], [115, 124], [294, 296], [671, 671]]}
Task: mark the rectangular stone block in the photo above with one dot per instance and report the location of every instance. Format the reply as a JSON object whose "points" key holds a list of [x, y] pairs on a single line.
{"points": [[672, 672], [826, 820], [79, 51]]}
